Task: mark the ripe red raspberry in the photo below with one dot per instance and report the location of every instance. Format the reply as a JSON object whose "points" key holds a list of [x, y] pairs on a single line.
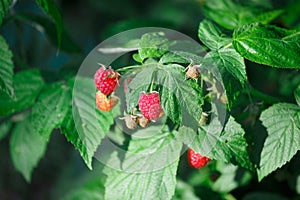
{"points": [[106, 80], [149, 105], [196, 160], [105, 104]]}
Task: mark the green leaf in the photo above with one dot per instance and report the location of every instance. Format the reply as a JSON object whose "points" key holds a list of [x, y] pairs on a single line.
{"points": [[4, 4], [232, 69], [228, 145], [181, 99], [140, 83], [6, 69], [184, 191], [153, 45], [212, 36], [180, 57], [5, 128], [230, 14], [91, 191], [51, 108], [52, 10], [46, 26], [231, 177], [90, 123], [27, 85], [26, 147], [149, 168], [268, 45], [297, 95], [267, 17], [282, 121]]}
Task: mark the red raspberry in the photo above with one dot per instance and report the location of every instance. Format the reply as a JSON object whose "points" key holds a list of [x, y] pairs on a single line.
{"points": [[196, 160], [105, 104], [149, 105], [106, 80]]}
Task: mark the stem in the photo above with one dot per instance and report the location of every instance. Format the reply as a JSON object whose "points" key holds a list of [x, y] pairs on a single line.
{"points": [[151, 86], [128, 67]]}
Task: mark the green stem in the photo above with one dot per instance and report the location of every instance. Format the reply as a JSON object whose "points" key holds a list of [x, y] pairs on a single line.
{"points": [[128, 67]]}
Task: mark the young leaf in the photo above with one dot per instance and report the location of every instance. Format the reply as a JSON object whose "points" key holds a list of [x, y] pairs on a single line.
{"points": [[149, 168], [27, 85], [181, 99], [91, 124], [26, 148], [52, 10], [232, 68], [269, 45], [212, 36], [4, 4], [6, 69], [180, 57], [51, 108], [5, 128], [153, 45], [282, 121]]}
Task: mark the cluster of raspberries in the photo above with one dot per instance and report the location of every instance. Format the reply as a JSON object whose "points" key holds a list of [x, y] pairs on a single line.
{"points": [[106, 81]]}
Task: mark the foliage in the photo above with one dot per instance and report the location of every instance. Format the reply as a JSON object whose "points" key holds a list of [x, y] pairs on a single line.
{"points": [[252, 136]]}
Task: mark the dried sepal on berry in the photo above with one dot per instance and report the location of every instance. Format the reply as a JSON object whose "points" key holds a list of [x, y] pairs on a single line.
{"points": [[105, 103], [131, 121], [192, 72], [142, 121]]}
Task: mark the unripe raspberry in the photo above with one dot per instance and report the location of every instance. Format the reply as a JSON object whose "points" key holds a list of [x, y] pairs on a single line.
{"points": [[105, 104]]}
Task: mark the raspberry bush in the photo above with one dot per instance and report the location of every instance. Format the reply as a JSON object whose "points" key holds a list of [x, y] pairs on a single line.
{"points": [[218, 118]]}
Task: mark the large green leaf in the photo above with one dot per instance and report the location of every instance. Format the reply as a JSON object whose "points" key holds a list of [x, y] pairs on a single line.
{"points": [[212, 36], [269, 45], [27, 85], [149, 168], [5, 128], [90, 123], [52, 10], [282, 121], [6, 68], [51, 108], [4, 4], [26, 148], [232, 69], [228, 145], [181, 99], [230, 15]]}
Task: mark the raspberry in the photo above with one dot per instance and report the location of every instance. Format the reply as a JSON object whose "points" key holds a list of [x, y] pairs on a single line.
{"points": [[106, 80], [149, 105], [130, 121], [105, 104], [142, 121], [196, 160]]}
